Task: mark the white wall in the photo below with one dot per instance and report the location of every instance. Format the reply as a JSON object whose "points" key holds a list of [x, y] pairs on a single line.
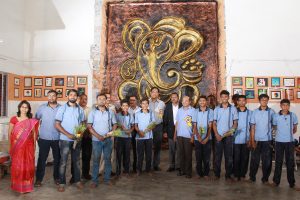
{"points": [[262, 39]]}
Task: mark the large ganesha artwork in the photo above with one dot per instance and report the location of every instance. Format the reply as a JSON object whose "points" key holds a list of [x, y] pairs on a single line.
{"points": [[163, 56]]}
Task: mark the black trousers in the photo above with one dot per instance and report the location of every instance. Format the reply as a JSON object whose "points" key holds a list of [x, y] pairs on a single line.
{"points": [[157, 141], [262, 151], [44, 148], [241, 160], [284, 149], [123, 153], [86, 154], [226, 146], [185, 155], [144, 146], [202, 153], [133, 145]]}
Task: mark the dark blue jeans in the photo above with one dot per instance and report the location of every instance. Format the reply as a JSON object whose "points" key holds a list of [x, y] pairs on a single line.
{"points": [[66, 147], [284, 149], [44, 148], [241, 160], [202, 153], [263, 150]]}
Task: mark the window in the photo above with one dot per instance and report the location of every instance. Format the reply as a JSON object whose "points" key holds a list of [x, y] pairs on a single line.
{"points": [[3, 94]]}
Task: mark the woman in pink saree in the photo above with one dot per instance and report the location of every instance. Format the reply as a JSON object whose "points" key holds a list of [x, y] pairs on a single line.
{"points": [[22, 136]]}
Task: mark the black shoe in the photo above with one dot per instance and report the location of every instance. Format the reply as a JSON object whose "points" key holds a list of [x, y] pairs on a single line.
{"points": [[156, 169], [170, 169], [71, 181], [178, 169], [112, 173], [87, 177], [180, 173], [188, 176]]}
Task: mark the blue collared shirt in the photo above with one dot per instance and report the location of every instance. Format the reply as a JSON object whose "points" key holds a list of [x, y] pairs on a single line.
{"points": [[143, 120], [46, 114], [262, 119], [242, 133], [203, 119], [127, 121], [155, 107], [70, 117], [101, 121], [185, 119], [285, 125], [224, 117]]}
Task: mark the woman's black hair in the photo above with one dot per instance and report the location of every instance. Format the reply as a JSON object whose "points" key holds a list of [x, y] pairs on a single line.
{"points": [[28, 114]]}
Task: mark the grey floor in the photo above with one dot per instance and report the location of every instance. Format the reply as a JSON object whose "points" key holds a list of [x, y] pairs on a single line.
{"points": [[161, 185]]}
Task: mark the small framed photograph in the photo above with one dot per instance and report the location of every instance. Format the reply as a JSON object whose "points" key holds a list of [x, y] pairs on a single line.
{"points": [[38, 81], [17, 81], [59, 81], [262, 82], [298, 82], [27, 93], [298, 94], [16, 93], [249, 82], [46, 92], [81, 90], [59, 92], [67, 92], [81, 80], [237, 91], [27, 82], [275, 82], [289, 82], [250, 94], [70, 81], [262, 91], [289, 94], [275, 94], [48, 82], [237, 81], [37, 92]]}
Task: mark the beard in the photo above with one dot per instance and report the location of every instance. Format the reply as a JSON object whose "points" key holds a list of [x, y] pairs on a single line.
{"points": [[72, 100]]}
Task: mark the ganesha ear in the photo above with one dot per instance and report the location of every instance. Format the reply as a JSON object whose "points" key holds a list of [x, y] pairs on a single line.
{"points": [[132, 34]]}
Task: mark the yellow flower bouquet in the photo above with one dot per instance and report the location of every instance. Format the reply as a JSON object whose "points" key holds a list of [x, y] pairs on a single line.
{"points": [[78, 134], [229, 133]]}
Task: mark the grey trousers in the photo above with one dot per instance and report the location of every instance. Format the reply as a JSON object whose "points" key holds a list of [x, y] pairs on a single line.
{"points": [[173, 154]]}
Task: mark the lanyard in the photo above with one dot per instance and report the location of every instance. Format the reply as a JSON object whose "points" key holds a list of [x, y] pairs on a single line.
{"points": [[291, 127], [247, 125]]}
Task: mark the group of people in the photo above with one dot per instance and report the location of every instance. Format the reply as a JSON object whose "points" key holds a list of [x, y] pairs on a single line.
{"points": [[232, 130]]}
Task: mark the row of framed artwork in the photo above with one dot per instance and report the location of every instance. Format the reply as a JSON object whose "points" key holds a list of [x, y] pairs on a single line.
{"points": [[48, 81], [274, 93], [264, 82], [38, 92]]}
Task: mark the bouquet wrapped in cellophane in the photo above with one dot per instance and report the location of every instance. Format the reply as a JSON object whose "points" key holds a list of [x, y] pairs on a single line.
{"points": [[78, 134], [202, 131], [229, 133], [115, 133], [151, 126]]}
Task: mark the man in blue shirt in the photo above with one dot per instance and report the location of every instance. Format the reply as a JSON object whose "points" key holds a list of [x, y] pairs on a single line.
{"points": [[204, 118], [144, 138], [126, 124], [67, 118], [285, 123], [101, 121], [48, 137], [225, 123], [241, 139], [185, 123], [261, 139]]}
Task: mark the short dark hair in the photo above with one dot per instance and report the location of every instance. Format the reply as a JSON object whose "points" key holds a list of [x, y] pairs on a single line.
{"points": [[28, 114], [52, 91], [203, 97], [235, 97], [101, 94], [175, 93], [263, 96], [83, 94], [145, 99], [133, 96], [72, 90], [225, 92], [154, 88], [285, 101], [124, 101], [241, 97]]}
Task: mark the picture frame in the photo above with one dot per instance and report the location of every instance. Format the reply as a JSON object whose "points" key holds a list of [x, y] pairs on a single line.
{"points": [[298, 94], [275, 81], [27, 93], [66, 93], [38, 81], [298, 82], [289, 94], [16, 93], [289, 82], [249, 82], [262, 91], [59, 92], [48, 81], [262, 82], [276, 94], [59, 81], [250, 94], [236, 81], [70, 81], [81, 80], [81, 90], [237, 91], [46, 92], [27, 82], [17, 81], [37, 92]]}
